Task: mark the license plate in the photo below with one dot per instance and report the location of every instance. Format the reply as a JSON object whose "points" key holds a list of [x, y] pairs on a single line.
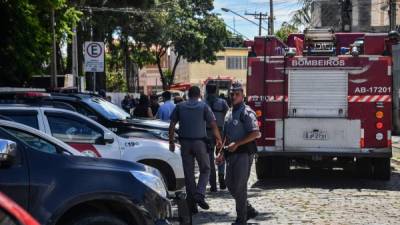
{"points": [[316, 135]]}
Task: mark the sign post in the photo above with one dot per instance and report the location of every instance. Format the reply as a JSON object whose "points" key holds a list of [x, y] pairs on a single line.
{"points": [[94, 59]]}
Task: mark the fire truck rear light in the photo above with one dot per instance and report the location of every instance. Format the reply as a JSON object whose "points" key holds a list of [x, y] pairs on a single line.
{"points": [[259, 123], [258, 113], [362, 141], [379, 136], [379, 114], [379, 125]]}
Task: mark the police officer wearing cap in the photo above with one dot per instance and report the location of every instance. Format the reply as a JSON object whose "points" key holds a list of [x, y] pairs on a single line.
{"points": [[193, 115], [240, 132]]}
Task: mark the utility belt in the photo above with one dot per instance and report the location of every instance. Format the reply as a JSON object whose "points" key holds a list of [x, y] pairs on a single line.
{"points": [[249, 148]]}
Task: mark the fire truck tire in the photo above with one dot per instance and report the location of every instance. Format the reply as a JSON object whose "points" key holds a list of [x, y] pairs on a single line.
{"points": [[262, 166], [382, 169], [272, 167], [364, 167]]}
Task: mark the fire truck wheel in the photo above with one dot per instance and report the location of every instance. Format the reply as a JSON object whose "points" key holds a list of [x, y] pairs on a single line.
{"points": [[263, 164], [272, 167], [382, 169], [364, 167]]}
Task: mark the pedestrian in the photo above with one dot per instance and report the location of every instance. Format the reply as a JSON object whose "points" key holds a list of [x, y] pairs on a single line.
{"points": [[240, 132], [154, 105], [165, 110], [178, 99], [219, 108], [193, 116], [126, 104], [143, 109]]}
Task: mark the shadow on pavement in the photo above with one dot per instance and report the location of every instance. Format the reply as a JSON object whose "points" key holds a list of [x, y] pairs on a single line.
{"points": [[205, 217], [328, 179]]}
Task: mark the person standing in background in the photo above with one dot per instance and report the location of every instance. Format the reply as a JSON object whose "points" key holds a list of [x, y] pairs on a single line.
{"points": [[165, 110], [219, 108], [154, 105], [126, 104], [143, 108], [193, 116]]}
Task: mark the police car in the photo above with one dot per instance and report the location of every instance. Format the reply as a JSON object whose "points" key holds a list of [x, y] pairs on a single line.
{"points": [[93, 139]]}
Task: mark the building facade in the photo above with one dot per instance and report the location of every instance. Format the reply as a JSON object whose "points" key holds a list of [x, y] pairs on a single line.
{"points": [[353, 15], [230, 63]]}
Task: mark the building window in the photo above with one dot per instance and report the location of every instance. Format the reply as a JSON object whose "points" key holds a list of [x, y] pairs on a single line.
{"points": [[236, 62]]}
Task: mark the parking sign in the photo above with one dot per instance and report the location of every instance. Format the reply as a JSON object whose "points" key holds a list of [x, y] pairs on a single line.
{"points": [[94, 56]]}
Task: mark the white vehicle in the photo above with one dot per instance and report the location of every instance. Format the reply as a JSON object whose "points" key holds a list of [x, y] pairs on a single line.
{"points": [[93, 139]]}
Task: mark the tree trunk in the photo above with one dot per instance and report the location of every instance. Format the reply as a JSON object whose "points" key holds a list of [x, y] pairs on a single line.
{"points": [[177, 60], [162, 77]]}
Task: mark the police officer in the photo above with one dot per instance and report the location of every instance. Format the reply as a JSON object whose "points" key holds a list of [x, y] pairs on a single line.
{"points": [[219, 108], [240, 130], [193, 115]]}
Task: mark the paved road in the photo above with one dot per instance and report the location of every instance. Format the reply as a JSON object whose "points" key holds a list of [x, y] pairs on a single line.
{"points": [[311, 197]]}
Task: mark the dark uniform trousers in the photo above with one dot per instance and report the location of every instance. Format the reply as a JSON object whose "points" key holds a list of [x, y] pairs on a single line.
{"points": [[191, 150], [238, 167]]}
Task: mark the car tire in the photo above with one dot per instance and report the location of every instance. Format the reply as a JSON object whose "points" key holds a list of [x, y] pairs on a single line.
{"points": [[98, 219], [382, 168], [364, 167]]}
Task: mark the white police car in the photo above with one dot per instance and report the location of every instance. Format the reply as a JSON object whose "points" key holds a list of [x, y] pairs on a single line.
{"points": [[91, 138]]}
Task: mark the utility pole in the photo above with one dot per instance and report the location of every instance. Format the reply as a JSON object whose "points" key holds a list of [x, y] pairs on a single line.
{"points": [[260, 17], [392, 15], [75, 59], [53, 63], [271, 18]]}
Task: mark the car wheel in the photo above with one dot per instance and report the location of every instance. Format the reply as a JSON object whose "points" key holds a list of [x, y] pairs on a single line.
{"points": [[382, 169], [98, 219]]}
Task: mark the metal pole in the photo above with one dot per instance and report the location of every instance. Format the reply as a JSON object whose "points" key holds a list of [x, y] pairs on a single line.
{"points": [[260, 23], [91, 39], [392, 15], [271, 17], [75, 59], [53, 65]]}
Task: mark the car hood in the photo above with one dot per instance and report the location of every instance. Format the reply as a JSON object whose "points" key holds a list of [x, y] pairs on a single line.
{"points": [[150, 123], [112, 164]]}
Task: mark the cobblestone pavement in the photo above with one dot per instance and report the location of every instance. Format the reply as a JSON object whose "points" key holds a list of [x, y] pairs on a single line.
{"points": [[311, 197]]}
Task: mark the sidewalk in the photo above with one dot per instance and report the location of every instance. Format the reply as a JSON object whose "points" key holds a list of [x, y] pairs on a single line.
{"points": [[396, 148]]}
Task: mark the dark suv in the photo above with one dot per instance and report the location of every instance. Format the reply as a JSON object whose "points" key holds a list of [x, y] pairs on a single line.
{"points": [[58, 186]]}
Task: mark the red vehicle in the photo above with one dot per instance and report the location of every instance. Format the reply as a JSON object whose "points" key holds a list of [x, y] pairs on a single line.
{"points": [[13, 214], [324, 99]]}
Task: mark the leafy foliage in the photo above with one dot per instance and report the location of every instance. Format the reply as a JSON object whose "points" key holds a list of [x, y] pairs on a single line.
{"points": [[285, 30]]}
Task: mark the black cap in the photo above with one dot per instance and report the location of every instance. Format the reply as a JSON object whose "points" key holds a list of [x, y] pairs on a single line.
{"points": [[236, 86]]}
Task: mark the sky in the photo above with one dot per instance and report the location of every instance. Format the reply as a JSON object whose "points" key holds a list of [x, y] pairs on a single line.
{"points": [[282, 12]]}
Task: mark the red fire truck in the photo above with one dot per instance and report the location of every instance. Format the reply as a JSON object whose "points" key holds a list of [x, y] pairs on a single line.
{"points": [[323, 100]]}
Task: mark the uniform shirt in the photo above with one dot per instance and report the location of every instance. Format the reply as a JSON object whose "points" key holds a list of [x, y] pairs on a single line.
{"points": [[219, 108], [192, 116], [239, 122], [165, 110]]}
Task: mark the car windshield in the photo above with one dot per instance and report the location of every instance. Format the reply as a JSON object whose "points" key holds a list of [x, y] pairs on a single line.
{"points": [[107, 109]]}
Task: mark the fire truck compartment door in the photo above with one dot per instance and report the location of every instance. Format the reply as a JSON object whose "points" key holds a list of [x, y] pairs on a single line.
{"points": [[321, 134], [318, 93]]}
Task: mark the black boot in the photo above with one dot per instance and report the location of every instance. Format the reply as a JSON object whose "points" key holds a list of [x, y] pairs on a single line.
{"points": [[251, 212], [221, 180]]}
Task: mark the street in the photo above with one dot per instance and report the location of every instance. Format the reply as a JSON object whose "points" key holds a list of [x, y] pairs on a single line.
{"points": [[313, 197]]}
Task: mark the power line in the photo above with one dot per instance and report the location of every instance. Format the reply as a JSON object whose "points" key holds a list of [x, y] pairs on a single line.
{"points": [[260, 17]]}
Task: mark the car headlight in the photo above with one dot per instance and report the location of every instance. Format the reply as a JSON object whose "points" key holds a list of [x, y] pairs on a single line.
{"points": [[152, 181]]}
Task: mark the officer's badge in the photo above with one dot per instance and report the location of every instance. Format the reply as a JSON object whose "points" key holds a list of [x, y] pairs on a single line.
{"points": [[235, 122]]}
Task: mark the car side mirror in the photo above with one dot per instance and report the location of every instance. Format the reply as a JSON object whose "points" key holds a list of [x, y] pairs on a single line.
{"points": [[108, 138], [8, 151]]}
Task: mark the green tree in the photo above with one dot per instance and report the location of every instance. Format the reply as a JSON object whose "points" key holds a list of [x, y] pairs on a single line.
{"points": [[285, 30], [188, 29], [26, 37], [302, 16]]}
